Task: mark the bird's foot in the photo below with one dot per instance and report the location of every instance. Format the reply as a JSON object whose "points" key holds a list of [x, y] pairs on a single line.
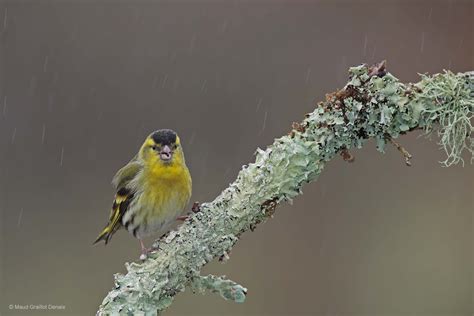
{"points": [[146, 251]]}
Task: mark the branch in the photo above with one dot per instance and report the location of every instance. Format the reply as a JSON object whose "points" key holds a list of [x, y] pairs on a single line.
{"points": [[373, 104]]}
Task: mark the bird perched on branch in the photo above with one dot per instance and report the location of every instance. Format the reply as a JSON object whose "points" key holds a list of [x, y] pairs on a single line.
{"points": [[152, 190]]}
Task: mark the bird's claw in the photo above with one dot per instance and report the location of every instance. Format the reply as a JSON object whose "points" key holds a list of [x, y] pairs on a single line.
{"points": [[147, 251]]}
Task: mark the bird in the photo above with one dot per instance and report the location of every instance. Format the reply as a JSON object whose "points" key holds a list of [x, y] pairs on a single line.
{"points": [[151, 191]]}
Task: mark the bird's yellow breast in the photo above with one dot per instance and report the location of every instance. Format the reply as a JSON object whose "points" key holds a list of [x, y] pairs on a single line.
{"points": [[170, 177], [167, 189]]}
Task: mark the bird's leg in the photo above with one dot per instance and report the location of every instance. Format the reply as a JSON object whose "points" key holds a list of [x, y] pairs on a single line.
{"points": [[182, 218], [144, 254], [142, 245]]}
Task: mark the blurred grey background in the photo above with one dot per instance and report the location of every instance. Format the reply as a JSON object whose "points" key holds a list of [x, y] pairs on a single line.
{"points": [[83, 82]]}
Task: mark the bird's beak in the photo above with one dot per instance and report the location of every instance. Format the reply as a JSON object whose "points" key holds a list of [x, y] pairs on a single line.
{"points": [[166, 153]]}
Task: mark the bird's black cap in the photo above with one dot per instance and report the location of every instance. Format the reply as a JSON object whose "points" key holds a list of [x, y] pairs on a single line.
{"points": [[164, 137]]}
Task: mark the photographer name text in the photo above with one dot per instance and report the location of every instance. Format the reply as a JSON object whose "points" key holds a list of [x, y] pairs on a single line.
{"points": [[36, 307]]}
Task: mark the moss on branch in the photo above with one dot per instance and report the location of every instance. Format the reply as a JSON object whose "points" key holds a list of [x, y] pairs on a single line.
{"points": [[373, 104]]}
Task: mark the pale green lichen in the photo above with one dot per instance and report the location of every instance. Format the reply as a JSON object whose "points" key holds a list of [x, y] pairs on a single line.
{"points": [[448, 100], [226, 288], [370, 106]]}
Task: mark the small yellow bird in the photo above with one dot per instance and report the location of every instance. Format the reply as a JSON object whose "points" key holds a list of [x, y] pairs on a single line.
{"points": [[152, 190]]}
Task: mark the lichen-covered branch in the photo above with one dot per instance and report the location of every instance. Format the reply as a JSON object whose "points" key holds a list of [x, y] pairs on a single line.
{"points": [[373, 104]]}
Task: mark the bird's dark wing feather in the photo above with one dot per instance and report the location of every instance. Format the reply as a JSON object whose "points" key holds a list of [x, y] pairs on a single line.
{"points": [[122, 200]]}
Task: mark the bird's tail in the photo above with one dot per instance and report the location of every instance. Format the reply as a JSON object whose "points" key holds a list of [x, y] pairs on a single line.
{"points": [[105, 235]]}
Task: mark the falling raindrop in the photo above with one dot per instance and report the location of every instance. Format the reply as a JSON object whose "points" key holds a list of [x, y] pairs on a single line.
{"points": [[422, 46], [224, 26], [45, 64], [32, 84], [430, 14], [164, 81], [5, 19], [203, 86], [62, 156], [258, 104], [43, 134], [308, 72], [461, 43], [13, 135], [264, 122], [4, 111], [366, 41], [19, 217], [373, 52]]}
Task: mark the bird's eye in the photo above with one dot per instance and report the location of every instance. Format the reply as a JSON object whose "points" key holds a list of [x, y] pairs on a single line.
{"points": [[176, 146], [154, 147]]}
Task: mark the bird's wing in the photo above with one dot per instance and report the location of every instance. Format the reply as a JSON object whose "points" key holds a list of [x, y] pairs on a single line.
{"points": [[122, 200], [123, 197], [126, 173]]}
